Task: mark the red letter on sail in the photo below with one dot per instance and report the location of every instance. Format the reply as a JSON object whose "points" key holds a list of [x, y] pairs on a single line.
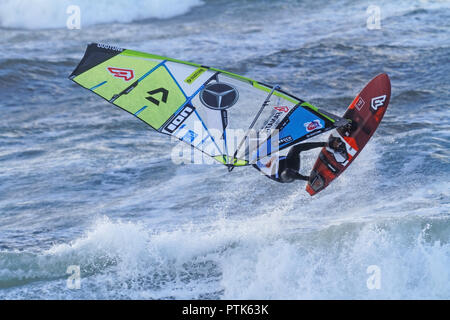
{"points": [[126, 74]]}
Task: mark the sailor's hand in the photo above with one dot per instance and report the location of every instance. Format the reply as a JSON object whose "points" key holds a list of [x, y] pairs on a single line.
{"points": [[269, 163]]}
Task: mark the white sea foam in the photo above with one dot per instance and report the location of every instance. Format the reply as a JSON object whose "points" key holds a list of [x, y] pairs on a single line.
{"points": [[38, 14], [199, 232], [246, 259]]}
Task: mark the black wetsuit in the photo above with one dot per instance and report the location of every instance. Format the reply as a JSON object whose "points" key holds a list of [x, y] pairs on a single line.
{"points": [[289, 166]]}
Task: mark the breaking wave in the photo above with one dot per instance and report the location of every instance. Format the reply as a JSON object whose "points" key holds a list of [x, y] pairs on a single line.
{"points": [[46, 14], [252, 259]]}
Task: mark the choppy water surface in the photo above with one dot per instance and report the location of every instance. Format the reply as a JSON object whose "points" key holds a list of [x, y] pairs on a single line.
{"points": [[84, 183]]}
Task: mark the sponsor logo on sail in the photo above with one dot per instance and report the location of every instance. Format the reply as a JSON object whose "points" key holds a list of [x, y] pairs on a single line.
{"points": [[197, 73], [109, 47], [282, 109], [125, 74], [219, 96], [179, 119], [313, 125], [285, 140], [163, 91], [273, 120]]}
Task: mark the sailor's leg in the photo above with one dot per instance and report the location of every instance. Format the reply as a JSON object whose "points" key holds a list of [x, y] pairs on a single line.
{"points": [[293, 159]]}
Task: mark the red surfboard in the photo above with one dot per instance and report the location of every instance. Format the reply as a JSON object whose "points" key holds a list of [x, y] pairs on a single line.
{"points": [[365, 113]]}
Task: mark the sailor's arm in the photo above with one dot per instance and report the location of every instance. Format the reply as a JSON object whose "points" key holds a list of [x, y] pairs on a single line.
{"points": [[307, 146], [296, 175]]}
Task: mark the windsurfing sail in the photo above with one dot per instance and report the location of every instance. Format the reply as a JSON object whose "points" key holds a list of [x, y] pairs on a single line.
{"points": [[207, 108]]}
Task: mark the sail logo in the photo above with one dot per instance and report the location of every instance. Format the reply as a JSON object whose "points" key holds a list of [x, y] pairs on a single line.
{"points": [[282, 109], [272, 120], [377, 102], [179, 119], [313, 125], [219, 96], [165, 94], [285, 140], [125, 74], [197, 73], [108, 47]]}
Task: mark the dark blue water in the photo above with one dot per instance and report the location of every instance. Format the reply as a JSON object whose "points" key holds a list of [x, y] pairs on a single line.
{"points": [[83, 183]]}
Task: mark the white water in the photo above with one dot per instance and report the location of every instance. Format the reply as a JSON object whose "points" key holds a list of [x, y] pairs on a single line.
{"points": [[83, 183], [40, 14], [247, 259]]}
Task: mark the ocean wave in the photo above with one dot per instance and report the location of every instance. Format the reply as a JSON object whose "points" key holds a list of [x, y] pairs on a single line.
{"points": [[48, 14], [240, 260]]}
